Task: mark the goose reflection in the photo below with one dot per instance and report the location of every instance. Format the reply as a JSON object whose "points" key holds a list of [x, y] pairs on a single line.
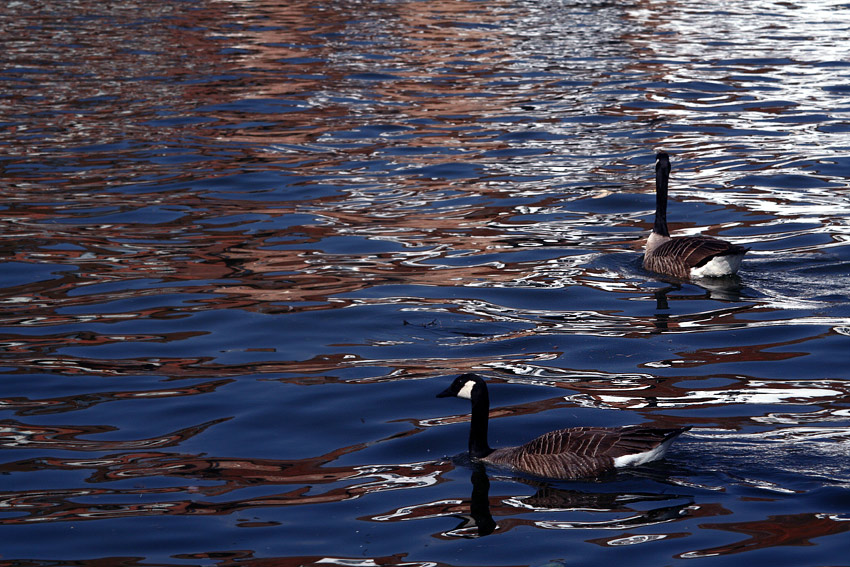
{"points": [[723, 289], [549, 498], [479, 522], [729, 288]]}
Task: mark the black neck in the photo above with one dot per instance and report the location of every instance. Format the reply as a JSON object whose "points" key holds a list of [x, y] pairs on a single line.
{"points": [[662, 177], [478, 446]]}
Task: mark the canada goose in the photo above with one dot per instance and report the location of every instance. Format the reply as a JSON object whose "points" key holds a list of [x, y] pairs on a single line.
{"points": [[685, 256], [577, 452]]}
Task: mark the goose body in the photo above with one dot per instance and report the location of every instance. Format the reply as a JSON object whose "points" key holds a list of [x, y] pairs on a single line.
{"points": [[685, 256], [576, 452]]}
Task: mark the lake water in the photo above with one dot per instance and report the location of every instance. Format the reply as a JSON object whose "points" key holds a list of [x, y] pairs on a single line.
{"points": [[246, 243]]}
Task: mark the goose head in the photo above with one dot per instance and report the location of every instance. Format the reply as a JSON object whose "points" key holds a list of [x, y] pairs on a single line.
{"points": [[473, 388], [467, 386]]}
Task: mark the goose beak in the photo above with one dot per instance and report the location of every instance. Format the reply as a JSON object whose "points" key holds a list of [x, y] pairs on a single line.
{"points": [[447, 393]]}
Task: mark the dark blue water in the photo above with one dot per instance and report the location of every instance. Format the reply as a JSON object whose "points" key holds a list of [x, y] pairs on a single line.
{"points": [[244, 244]]}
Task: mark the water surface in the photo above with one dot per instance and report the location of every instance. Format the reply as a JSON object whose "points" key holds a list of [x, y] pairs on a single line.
{"points": [[246, 243]]}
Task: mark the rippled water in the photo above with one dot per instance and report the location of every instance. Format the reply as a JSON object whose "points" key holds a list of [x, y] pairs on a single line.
{"points": [[246, 243]]}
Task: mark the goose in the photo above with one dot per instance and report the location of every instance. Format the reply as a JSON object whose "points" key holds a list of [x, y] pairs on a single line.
{"points": [[576, 452], [685, 256]]}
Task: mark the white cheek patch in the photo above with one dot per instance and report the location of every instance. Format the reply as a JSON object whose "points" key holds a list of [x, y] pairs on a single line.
{"points": [[466, 391]]}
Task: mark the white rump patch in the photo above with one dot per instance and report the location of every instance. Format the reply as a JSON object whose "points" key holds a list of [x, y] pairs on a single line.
{"points": [[466, 391], [636, 459], [718, 266]]}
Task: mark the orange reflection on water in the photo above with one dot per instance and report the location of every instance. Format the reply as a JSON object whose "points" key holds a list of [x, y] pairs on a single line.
{"points": [[17, 435], [775, 531], [60, 404], [225, 475]]}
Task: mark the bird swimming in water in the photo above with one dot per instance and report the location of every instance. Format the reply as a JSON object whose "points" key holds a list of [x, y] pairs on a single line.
{"points": [[576, 452], [685, 256]]}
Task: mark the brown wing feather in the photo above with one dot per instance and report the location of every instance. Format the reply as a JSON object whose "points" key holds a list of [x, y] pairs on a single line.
{"points": [[678, 255], [563, 465]]}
